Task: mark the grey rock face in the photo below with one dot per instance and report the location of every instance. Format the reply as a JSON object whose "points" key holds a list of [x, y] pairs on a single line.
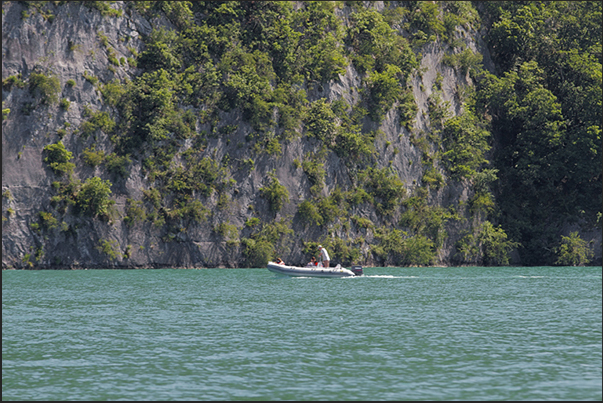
{"points": [[69, 47]]}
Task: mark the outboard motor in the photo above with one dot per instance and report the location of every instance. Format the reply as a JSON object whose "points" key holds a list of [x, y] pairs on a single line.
{"points": [[357, 270]]}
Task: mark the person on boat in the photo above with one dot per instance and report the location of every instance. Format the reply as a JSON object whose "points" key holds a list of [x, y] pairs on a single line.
{"points": [[279, 261], [324, 256], [313, 262]]}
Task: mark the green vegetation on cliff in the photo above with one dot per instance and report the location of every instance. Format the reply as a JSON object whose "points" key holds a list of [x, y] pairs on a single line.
{"points": [[522, 140], [546, 114]]}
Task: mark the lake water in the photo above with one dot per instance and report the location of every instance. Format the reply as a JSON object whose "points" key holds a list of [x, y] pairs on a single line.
{"points": [[465, 333]]}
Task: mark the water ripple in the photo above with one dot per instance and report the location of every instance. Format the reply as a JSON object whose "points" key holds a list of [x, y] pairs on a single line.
{"points": [[395, 334]]}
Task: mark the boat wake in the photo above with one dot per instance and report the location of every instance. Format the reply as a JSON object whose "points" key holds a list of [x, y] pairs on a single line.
{"points": [[382, 276], [388, 276], [369, 276], [531, 276]]}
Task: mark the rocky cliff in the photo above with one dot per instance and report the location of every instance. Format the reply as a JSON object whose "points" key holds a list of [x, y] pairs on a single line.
{"points": [[242, 219]]}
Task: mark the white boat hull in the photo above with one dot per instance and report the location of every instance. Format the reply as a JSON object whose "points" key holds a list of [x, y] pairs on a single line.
{"points": [[297, 271]]}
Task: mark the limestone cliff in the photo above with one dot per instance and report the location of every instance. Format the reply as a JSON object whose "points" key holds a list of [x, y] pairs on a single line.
{"points": [[72, 41]]}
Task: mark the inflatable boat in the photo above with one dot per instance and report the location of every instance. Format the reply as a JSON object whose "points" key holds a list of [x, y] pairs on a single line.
{"points": [[314, 271]]}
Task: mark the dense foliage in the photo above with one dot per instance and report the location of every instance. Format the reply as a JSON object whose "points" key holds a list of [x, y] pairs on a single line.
{"points": [[58, 158], [546, 115], [47, 87], [93, 197], [573, 251]]}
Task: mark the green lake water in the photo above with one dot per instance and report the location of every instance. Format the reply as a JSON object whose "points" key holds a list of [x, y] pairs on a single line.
{"points": [[467, 333]]}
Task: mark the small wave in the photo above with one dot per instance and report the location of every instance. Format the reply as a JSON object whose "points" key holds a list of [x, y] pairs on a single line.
{"points": [[531, 276]]}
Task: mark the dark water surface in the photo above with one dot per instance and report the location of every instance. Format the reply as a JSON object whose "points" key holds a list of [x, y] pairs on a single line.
{"points": [[398, 333]]}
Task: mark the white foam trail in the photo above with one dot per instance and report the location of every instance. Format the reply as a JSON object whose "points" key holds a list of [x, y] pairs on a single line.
{"points": [[363, 276], [388, 276], [531, 276]]}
